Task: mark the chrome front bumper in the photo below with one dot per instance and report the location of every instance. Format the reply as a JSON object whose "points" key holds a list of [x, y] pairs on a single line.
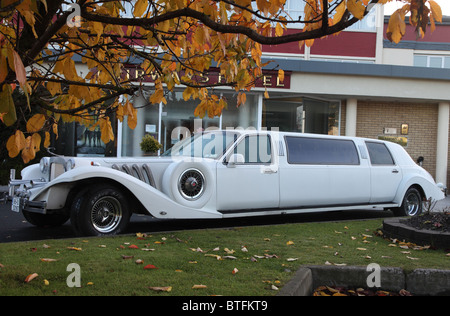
{"points": [[19, 195]]}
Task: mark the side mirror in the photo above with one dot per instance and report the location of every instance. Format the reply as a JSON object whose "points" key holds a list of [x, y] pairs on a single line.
{"points": [[235, 159]]}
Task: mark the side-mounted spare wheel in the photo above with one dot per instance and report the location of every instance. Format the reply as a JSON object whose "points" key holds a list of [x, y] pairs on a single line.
{"points": [[189, 183], [100, 210]]}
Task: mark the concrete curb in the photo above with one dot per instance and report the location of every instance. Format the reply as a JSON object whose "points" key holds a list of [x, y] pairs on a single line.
{"points": [[422, 282]]}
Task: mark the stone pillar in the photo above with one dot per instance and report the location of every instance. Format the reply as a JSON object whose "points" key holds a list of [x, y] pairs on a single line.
{"points": [[350, 117], [442, 143]]}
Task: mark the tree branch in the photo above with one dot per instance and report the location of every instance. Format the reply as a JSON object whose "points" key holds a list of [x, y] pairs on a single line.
{"points": [[221, 28]]}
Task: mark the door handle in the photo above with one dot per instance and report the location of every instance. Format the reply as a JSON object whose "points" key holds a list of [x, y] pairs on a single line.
{"points": [[395, 171], [269, 171]]}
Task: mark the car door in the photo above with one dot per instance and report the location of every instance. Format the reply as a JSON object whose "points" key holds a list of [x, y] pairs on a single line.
{"points": [[385, 174], [248, 177], [323, 172]]}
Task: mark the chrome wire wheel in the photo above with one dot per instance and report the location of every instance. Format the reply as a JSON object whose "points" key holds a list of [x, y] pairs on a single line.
{"points": [[106, 214], [413, 204]]}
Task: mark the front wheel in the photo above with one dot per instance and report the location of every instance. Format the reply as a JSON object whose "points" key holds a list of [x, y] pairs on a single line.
{"points": [[412, 204], [100, 211]]}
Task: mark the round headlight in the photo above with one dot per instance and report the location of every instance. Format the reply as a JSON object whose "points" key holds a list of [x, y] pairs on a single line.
{"points": [[44, 164]]}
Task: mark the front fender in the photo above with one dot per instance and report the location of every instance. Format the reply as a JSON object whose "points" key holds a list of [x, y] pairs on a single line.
{"points": [[155, 202]]}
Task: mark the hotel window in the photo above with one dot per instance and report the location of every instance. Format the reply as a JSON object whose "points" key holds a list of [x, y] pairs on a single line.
{"points": [[432, 61], [295, 10]]}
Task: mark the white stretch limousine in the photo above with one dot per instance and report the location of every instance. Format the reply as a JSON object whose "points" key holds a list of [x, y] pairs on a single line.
{"points": [[223, 174]]}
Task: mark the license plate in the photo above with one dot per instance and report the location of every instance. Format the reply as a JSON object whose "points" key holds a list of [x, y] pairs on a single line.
{"points": [[16, 204]]}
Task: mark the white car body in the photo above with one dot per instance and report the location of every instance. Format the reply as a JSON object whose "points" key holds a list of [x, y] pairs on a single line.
{"points": [[246, 173]]}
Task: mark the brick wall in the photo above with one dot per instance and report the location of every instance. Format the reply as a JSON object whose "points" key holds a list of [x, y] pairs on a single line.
{"points": [[373, 117]]}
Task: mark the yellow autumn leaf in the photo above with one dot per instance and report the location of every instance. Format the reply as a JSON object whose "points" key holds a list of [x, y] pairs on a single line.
{"points": [[55, 129], [290, 242], [140, 8], [47, 140], [356, 8], [160, 288], [54, 87], [279, 30], [396, 27], [35, 123], [31, 277], [199, 286], [32, 145], [107, 133], [340, 10], [281, 75], [436, 10], [15, 144]]}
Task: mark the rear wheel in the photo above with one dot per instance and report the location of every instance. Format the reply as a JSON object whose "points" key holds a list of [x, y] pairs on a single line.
{"points": [[411, 205], [100, 211]]}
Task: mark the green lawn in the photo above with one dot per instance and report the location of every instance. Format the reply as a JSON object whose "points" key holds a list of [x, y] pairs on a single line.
{"points": [[253, 260]]}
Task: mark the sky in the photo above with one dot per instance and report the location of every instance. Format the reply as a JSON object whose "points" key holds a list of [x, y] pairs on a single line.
{"points": [[392, 6]]}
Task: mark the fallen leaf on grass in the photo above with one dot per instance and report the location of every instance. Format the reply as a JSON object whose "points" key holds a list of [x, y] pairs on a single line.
{"points": [[361, 249], [228, 251], [31, 277], [133, 247], [290, 242], [412, 258], [127, 257], [199, 286], [1, 266], [229, 257], [215, 256], [48, 260], [335, 264], [46, 282], [235, 270], [147, 249], [291, 259], [74, 248], [160, 288], [139, 261], [150, 266]]}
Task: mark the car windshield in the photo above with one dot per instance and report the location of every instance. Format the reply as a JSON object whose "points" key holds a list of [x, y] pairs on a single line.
{"points": [[204, 145]]}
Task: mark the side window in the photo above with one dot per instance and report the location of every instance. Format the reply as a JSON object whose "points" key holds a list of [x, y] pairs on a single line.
{"points": [[321, 151], [256, 149], [379, 154]]}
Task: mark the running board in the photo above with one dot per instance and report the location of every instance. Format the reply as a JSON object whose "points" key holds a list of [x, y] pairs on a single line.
{"points": [[306, 209]]}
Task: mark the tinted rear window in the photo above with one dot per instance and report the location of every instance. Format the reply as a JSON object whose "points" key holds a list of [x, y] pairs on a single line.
{"points": [[379, 154], [321, 151]]}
